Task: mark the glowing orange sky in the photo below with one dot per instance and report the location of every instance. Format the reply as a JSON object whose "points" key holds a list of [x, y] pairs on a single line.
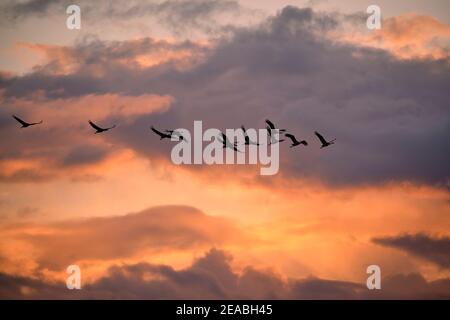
{"points": [[294, 227]]}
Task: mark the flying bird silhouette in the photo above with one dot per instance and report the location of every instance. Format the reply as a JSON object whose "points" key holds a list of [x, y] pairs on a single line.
{"points": [[226, 143], [26, 124], [161, 135], [247, 138], [175, 133], [295, 142], [273, 140], [272, 126], [99, 129], [324, 142]]}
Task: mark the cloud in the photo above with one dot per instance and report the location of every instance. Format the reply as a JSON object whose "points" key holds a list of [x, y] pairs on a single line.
{"points": [[389, 116], [15, 9], [25, 175], [27, 211], [154, 230], [70, 149], [178, 16], [14, 287], [211, 277], [436, 250], [84, 155], [409, 36], [91, 55], [415, 286]]}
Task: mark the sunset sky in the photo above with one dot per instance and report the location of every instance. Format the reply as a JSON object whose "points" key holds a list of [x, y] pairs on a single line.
{"points": [[141, 227]]}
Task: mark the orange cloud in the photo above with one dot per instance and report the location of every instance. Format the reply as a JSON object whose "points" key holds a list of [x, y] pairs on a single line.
{"points": [[295, 232], [408, 36], [137, 53], [64, 111], [212, 276], [96, 242], [68, 145]]}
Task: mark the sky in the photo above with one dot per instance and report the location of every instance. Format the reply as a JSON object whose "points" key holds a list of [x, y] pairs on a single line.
{"points": [[141, 227]]}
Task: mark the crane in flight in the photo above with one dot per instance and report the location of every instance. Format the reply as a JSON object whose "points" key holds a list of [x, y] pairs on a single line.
{"points": [[226, 143], [273, 139], [295, 142], [24, 123], [247, 138], [99, 129], [324, 142], [161, 135], [175, 133], [272, 126]]}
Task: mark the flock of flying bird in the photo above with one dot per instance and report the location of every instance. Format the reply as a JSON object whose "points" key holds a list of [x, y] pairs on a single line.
{"points": [[222, 138], [167, 134]]}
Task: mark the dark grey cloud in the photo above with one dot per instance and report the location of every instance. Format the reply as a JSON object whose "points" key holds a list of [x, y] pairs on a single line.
{"points": [[434, 249], [86, 154], [14, 287], [390, 116], [414, 286], [176, 15], [315, 288], [211, 277], [179, 15], [20, 9]]}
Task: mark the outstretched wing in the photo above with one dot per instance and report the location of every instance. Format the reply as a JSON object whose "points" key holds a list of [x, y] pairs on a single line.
{"points": [[224, 137], [177, 134], [20, 121], [292, 137], [96, 127], [220, 138], [321, 138], [159, 133], [271, 125]]}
